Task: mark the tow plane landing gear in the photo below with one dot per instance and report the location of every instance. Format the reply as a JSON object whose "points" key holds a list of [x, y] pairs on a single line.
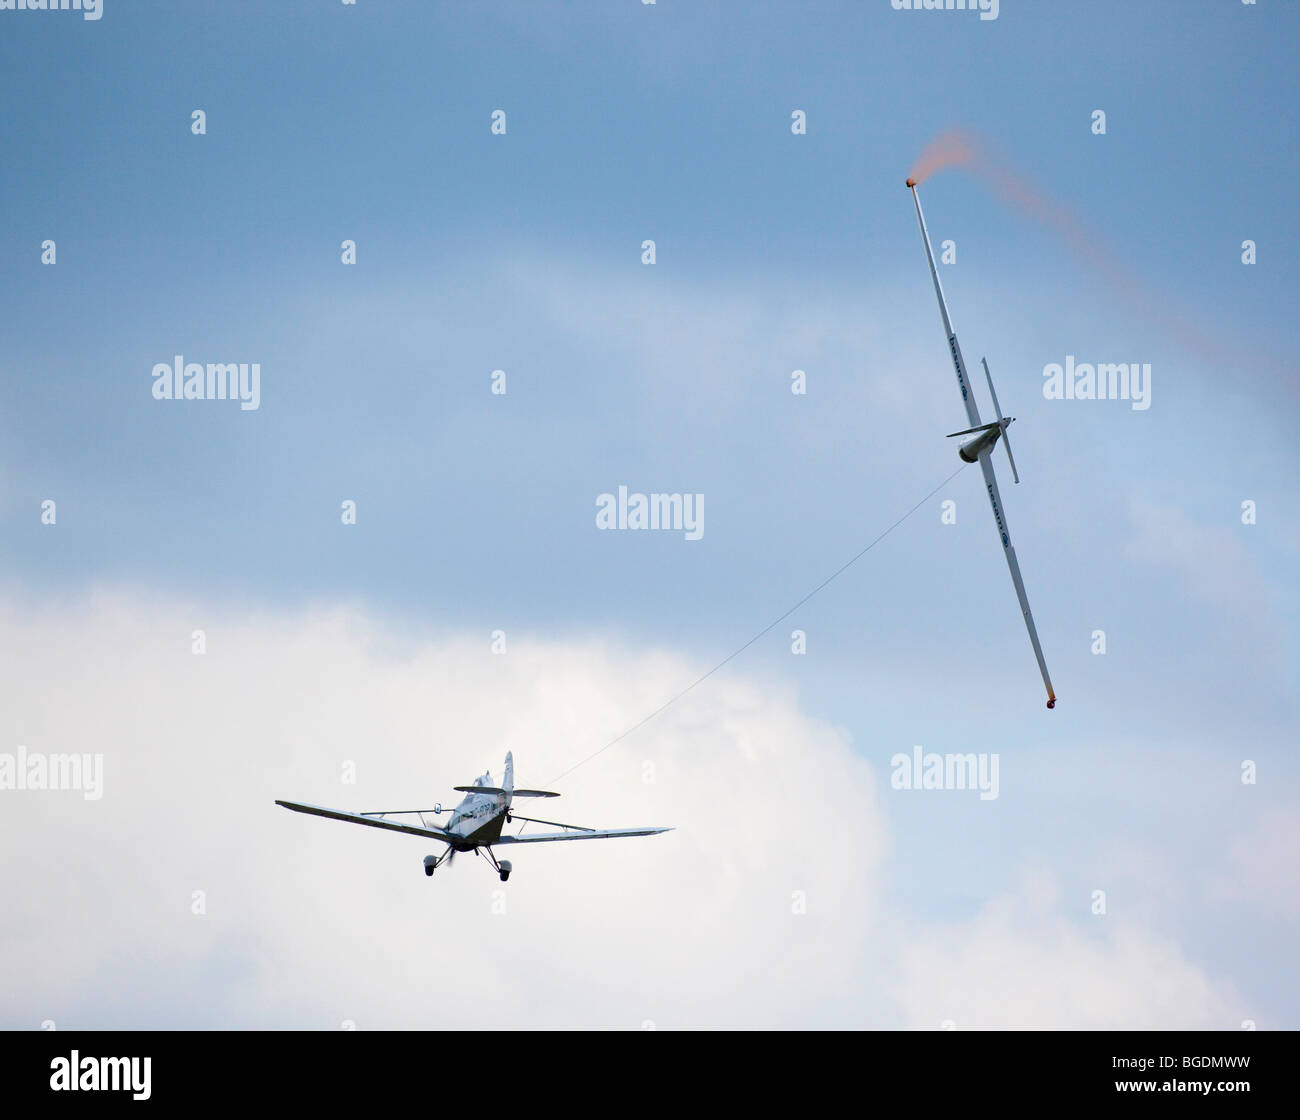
{"points": [[432, 863], [503, 867]]}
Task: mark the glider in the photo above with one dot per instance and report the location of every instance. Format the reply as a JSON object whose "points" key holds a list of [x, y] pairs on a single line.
{"points": [[978, 450]]}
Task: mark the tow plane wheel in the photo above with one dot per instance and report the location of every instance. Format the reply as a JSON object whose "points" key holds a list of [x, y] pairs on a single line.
{"points": [[505, 870], [430, 864]]}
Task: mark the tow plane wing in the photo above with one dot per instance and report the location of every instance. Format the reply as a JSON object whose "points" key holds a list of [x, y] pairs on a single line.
{"points": [[583, 834], [372, 820]]}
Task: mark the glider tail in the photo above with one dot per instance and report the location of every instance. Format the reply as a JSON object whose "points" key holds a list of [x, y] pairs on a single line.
{"points": [[1003, 423]]}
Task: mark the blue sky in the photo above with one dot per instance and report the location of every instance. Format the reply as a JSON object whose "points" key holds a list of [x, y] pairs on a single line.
{"points": [[775, 252]]}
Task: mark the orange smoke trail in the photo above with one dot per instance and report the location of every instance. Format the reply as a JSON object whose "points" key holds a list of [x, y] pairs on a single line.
{"points": [[948, 149], [954, 148]]}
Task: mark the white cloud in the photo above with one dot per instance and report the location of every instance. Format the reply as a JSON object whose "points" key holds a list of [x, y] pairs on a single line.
{"points": [[312, 922], [1020, 964], [1262, 868]]}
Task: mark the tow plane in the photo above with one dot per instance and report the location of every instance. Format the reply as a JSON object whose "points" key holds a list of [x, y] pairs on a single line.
{"points": [[477, 824], [979, 449]]}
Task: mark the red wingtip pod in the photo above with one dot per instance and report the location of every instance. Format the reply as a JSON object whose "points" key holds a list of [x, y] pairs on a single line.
{"points": [[911, 182], [1052, 702]]}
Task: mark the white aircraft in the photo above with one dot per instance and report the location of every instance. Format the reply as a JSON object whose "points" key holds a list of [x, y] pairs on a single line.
{"points": [[476, 823], [980, 448]]}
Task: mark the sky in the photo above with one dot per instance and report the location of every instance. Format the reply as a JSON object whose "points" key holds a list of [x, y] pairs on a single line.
{"points": [[398, 574]]}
